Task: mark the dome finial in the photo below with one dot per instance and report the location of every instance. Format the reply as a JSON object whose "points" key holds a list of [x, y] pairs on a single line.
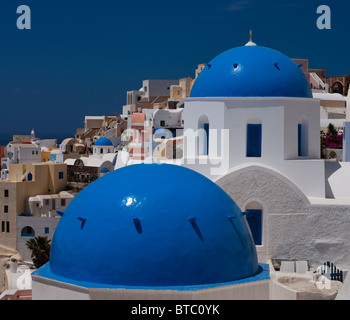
{"points": [[250, 43]]}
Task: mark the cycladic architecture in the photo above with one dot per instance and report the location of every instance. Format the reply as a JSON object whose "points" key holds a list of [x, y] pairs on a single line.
{"points": [[252, 126]]}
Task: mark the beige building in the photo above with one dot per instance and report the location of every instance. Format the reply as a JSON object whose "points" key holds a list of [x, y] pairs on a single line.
{"points": [[26, 180]]}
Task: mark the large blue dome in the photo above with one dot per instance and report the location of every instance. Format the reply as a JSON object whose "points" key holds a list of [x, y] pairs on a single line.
{"points": [[251, 71], [153, 225]]}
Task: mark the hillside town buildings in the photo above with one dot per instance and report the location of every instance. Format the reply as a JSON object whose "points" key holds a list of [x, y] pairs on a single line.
{"points": [[258, 140]]}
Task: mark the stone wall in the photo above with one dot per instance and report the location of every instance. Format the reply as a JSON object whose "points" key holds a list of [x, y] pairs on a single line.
{"points": [[293, 228]]}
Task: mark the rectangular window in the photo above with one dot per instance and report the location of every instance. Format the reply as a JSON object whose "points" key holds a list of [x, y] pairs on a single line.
{"points": [[254, 140], [206, 129], [47, 202], [63, 202], [254, 219], [6, 193], [7, 226], [60, 175], [2, 226], [47, 230], [6, 209], [162, 123], [299, 140]]}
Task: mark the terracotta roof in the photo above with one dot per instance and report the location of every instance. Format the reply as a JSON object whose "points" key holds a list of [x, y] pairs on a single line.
{"points": [[138, 117]]}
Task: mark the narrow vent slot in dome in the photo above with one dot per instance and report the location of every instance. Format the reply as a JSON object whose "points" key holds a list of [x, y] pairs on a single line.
{"points": [[137, 224], [83, 220], [196, 228]]}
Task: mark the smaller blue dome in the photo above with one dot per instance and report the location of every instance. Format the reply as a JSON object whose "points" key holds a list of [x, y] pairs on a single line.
{"points": [[103, 142], [251, 71], [104, 170]]}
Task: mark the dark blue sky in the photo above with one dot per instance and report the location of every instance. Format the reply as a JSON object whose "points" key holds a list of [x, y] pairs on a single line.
{"points": [[81, 56]]}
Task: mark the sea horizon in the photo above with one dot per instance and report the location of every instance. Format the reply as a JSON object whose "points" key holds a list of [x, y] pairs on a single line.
{"points": [[4, 141]]}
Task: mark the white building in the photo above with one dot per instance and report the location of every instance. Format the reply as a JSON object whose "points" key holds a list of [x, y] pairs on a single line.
{"points": [[102, 160], [333, 108], [19, 153], [252, 125]]}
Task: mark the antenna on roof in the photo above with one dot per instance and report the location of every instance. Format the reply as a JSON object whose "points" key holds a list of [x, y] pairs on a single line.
{"points": [[250, 43]]}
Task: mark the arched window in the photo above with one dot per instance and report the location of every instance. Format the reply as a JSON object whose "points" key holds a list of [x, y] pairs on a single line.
{"points": [[203, 135], [254, 215], [27, 232], [337, 87], [30, 177]]}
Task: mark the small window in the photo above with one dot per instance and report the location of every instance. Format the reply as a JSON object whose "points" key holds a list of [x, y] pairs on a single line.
{"points": [[33, 152], [162, 123], [63, 202], [6, 209], [254, 219], [37, 152], [206, 129], [6, 193], [254, 140], [2, 226], [299, 139], [101, 150], [7, 226], [47, 230], [47, 202], [60, 175], [30, 177]]}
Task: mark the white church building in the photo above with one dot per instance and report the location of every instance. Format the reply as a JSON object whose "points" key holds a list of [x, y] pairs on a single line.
{"points": [[251, 125]]}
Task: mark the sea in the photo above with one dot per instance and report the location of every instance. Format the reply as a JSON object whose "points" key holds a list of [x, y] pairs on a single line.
{"points": [[5, 141]]}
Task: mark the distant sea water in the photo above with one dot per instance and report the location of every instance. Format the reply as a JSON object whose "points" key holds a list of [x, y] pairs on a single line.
{"points": [[4, 141]]}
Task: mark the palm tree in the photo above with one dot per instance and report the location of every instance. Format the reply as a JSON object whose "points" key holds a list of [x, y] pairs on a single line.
{"points": [[40, 247]]}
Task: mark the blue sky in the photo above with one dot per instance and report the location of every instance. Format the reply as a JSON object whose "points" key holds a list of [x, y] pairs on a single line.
{"points": [[81, 56]]}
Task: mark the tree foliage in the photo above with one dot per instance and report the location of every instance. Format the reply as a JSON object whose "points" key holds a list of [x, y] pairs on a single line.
{"points": [[40, 247]]}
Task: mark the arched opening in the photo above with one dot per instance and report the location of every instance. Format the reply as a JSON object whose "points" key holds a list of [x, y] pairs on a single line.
{"points": [[203, 135], [30, 177], [254, 216], [79, 163], [337, 87], [27, 232]]}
